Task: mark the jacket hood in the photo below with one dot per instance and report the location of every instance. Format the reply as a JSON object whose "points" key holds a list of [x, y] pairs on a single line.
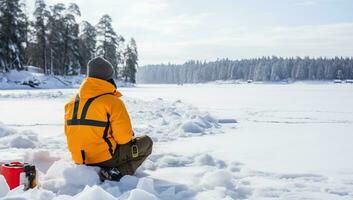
{"points": [[92, 87]]}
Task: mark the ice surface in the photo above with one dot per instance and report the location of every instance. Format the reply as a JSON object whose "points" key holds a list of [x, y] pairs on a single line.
{"points": [[271, 140], [278, 124]]}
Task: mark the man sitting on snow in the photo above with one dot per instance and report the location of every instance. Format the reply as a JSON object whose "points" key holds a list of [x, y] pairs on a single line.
{"points": [[98, 127]]}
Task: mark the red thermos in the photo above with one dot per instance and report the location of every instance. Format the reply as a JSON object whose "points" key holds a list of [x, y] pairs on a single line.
{"points": [[17, 173]]}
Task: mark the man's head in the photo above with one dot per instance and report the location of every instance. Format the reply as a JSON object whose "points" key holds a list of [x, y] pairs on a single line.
{"points": [[100, 68]]}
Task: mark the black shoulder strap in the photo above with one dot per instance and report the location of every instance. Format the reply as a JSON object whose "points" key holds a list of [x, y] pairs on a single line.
{"points": [[105, 136], [77, 102], [88, 103], [82, 120]]}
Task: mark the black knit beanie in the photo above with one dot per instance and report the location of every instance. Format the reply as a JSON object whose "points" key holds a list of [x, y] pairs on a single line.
{"points": [[100, 68]]}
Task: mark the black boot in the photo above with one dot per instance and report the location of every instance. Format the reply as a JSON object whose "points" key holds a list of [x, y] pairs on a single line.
{"points": [[111, 174]]}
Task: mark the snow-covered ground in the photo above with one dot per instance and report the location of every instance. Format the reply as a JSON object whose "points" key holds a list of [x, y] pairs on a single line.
{"points": [[291, 142]]}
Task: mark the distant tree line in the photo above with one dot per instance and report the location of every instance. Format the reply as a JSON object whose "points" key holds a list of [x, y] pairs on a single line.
{"points": [[260, 69], [54, 41]]}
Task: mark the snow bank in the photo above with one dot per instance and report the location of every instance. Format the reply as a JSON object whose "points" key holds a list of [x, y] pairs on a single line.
{"points": [[36, 95], [205, 177], [65, 180], [31, 79], [21, 76], [26, 79]]}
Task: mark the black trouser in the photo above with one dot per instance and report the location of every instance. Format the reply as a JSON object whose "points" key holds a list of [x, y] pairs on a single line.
{"points": [[126, 158]]}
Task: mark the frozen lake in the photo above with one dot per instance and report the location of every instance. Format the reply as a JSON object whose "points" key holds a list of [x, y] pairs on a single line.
{"points": [[296, 128]]}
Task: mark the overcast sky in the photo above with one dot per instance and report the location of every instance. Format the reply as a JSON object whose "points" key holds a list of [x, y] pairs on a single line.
{"points": [[179, 30]]}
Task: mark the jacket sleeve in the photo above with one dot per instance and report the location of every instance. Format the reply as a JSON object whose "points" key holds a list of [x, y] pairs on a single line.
{"points": [[120, 122]]}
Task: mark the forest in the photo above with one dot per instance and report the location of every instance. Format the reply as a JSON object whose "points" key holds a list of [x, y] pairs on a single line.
{"points": [[53, 39], [259, 69]]}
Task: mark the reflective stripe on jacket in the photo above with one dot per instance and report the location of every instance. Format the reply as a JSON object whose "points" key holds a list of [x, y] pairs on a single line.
{"points": [[96, 121]]}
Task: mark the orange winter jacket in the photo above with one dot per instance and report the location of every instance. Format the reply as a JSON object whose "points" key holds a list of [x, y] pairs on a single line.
{"points": [[96, 121]]}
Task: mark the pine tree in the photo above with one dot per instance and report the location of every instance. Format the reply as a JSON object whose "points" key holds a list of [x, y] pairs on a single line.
{"points": [[41, 17], [87, 44], [108, 41], [131, 58], [23, 26], [71, 40], [56, 29], [53, 41], [63, 39], [2, 43], [120, 57], [11, 35]]}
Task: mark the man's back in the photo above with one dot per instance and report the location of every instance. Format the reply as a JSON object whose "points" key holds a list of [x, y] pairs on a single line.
{"points": [[96, 121]]}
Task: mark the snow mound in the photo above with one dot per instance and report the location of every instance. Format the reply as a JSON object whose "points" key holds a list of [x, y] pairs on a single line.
{"points": [[192, 127], [206, 159], [10, 138], [138, 194], [33, 194], [24, 141], [200, 124], [67, 178], [219, 178], [93, 193], [209, 178], [42, 159], [158, 161], [5, 131], [170, 120]]}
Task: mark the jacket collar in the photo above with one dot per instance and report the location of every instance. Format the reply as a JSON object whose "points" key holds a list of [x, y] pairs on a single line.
{"points": [[92, 87]]}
